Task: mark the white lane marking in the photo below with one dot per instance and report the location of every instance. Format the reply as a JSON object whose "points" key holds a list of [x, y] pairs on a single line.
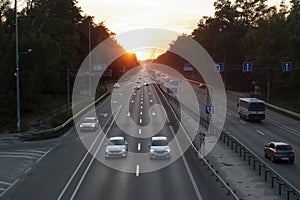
{"points": [[93, 158], [142, 99], [4, 183], [219, 107], [150, 100], [141, 113], [31, 150], [141, 121], [28, 170], [15, 156], [137, 170], [120, 94], [228, 113], [20, 154], [196, 189], [1, 195], [114, 101], [140, 131], [153, 113], [242, 122], [141, 107], [134, 94], [284, 127], [128, 114], [82, 160], [149, 93], [43, 156], [104, 114], [142, 102], [132, 101], [139, 146], [260, 132]]}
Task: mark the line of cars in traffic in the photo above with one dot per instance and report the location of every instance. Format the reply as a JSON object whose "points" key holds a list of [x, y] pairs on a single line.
{"points": [[117, 146]]}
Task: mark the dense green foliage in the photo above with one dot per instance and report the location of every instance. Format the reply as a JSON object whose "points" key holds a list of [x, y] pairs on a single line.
{"points": [[58, 34], [252, 31]]}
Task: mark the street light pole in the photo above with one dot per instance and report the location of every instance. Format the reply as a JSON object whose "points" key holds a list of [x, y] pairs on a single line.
{"points": [[17, 72]]}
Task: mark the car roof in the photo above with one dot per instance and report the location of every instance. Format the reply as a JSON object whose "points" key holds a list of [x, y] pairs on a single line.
{"points": [[116, 138], [159, 138], [90, 118], [279, 143], [251, 100]]}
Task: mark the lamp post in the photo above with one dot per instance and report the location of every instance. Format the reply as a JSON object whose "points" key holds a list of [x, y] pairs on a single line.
{"points": [[17, 72]]}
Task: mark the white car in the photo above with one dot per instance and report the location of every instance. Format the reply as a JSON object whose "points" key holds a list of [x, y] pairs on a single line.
{"points": [[136, 87], [89, 124], [159, 147], [116, 85], [116, 147]]}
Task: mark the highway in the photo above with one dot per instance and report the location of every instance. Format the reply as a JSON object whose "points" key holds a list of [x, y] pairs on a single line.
{"points": [[76, 168], [255, 135]]}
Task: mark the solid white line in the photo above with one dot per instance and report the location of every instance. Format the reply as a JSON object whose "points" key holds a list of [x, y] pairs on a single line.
{"points": [[32, 151], [93, 158], [137, 170], [140, 131], [260, 132], [81, 162], [15, 156], [28, 170], [4, 183], [9, 187], [139, 146], [242, 122], [21, 153], [43, 156], [228, 113], [284, 127]]}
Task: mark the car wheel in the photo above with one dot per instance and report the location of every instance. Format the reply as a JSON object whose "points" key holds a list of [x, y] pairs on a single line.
{"points": [[272, 158], [266, 154]]}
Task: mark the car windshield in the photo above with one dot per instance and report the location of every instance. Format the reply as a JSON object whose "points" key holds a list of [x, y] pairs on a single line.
{"points": [[159, 143], [257, 107], [116, 142], [89, 120], [283, 147]]}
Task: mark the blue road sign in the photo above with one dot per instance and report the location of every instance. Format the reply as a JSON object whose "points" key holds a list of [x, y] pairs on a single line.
{"points": [[287, 66], [209, 110], [247, 66], [219, 67]]}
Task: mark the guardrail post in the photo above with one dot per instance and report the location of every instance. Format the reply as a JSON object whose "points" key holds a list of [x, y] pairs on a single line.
{"points": [[254, 163], [288, 194], [236, 147], [241, 151], [231, 144], [259, 168], [266, 174], [227, 140], [272, 180], [280, 184]]}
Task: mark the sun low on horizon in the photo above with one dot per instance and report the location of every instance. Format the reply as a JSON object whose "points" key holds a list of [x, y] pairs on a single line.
{"points": [[120, 16]]}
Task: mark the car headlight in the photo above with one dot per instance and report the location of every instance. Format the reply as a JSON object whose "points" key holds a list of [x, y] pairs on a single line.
{"points": [[106, 151], [80, 125], [93, 125], [168, 150], [123, 150], [152, 150]]}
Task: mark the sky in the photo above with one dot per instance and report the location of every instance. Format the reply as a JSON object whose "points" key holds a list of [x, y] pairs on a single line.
{"points": [[121, 16]]}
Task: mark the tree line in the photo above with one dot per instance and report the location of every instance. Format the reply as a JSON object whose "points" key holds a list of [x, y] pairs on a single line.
{"points": [[250, 30], [57, 31]]}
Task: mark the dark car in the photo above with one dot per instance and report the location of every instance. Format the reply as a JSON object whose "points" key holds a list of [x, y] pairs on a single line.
{"points": [[279, 151]]}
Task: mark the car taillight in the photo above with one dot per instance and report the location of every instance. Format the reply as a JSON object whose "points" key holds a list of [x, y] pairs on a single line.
{"points": [[293, 151], [274, 151]]}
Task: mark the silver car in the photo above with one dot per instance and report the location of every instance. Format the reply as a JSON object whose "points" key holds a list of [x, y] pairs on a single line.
{"points": [[159, 147], [89, 124], [116, 147]]}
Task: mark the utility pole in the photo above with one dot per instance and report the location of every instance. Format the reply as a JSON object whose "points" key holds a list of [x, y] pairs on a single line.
{"points": [[17, 71], [90, 62]]}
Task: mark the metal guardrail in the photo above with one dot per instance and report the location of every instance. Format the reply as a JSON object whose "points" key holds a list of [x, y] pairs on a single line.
{"points": [[224, 185], [283, 185], [60, 127], [258, 163]]}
